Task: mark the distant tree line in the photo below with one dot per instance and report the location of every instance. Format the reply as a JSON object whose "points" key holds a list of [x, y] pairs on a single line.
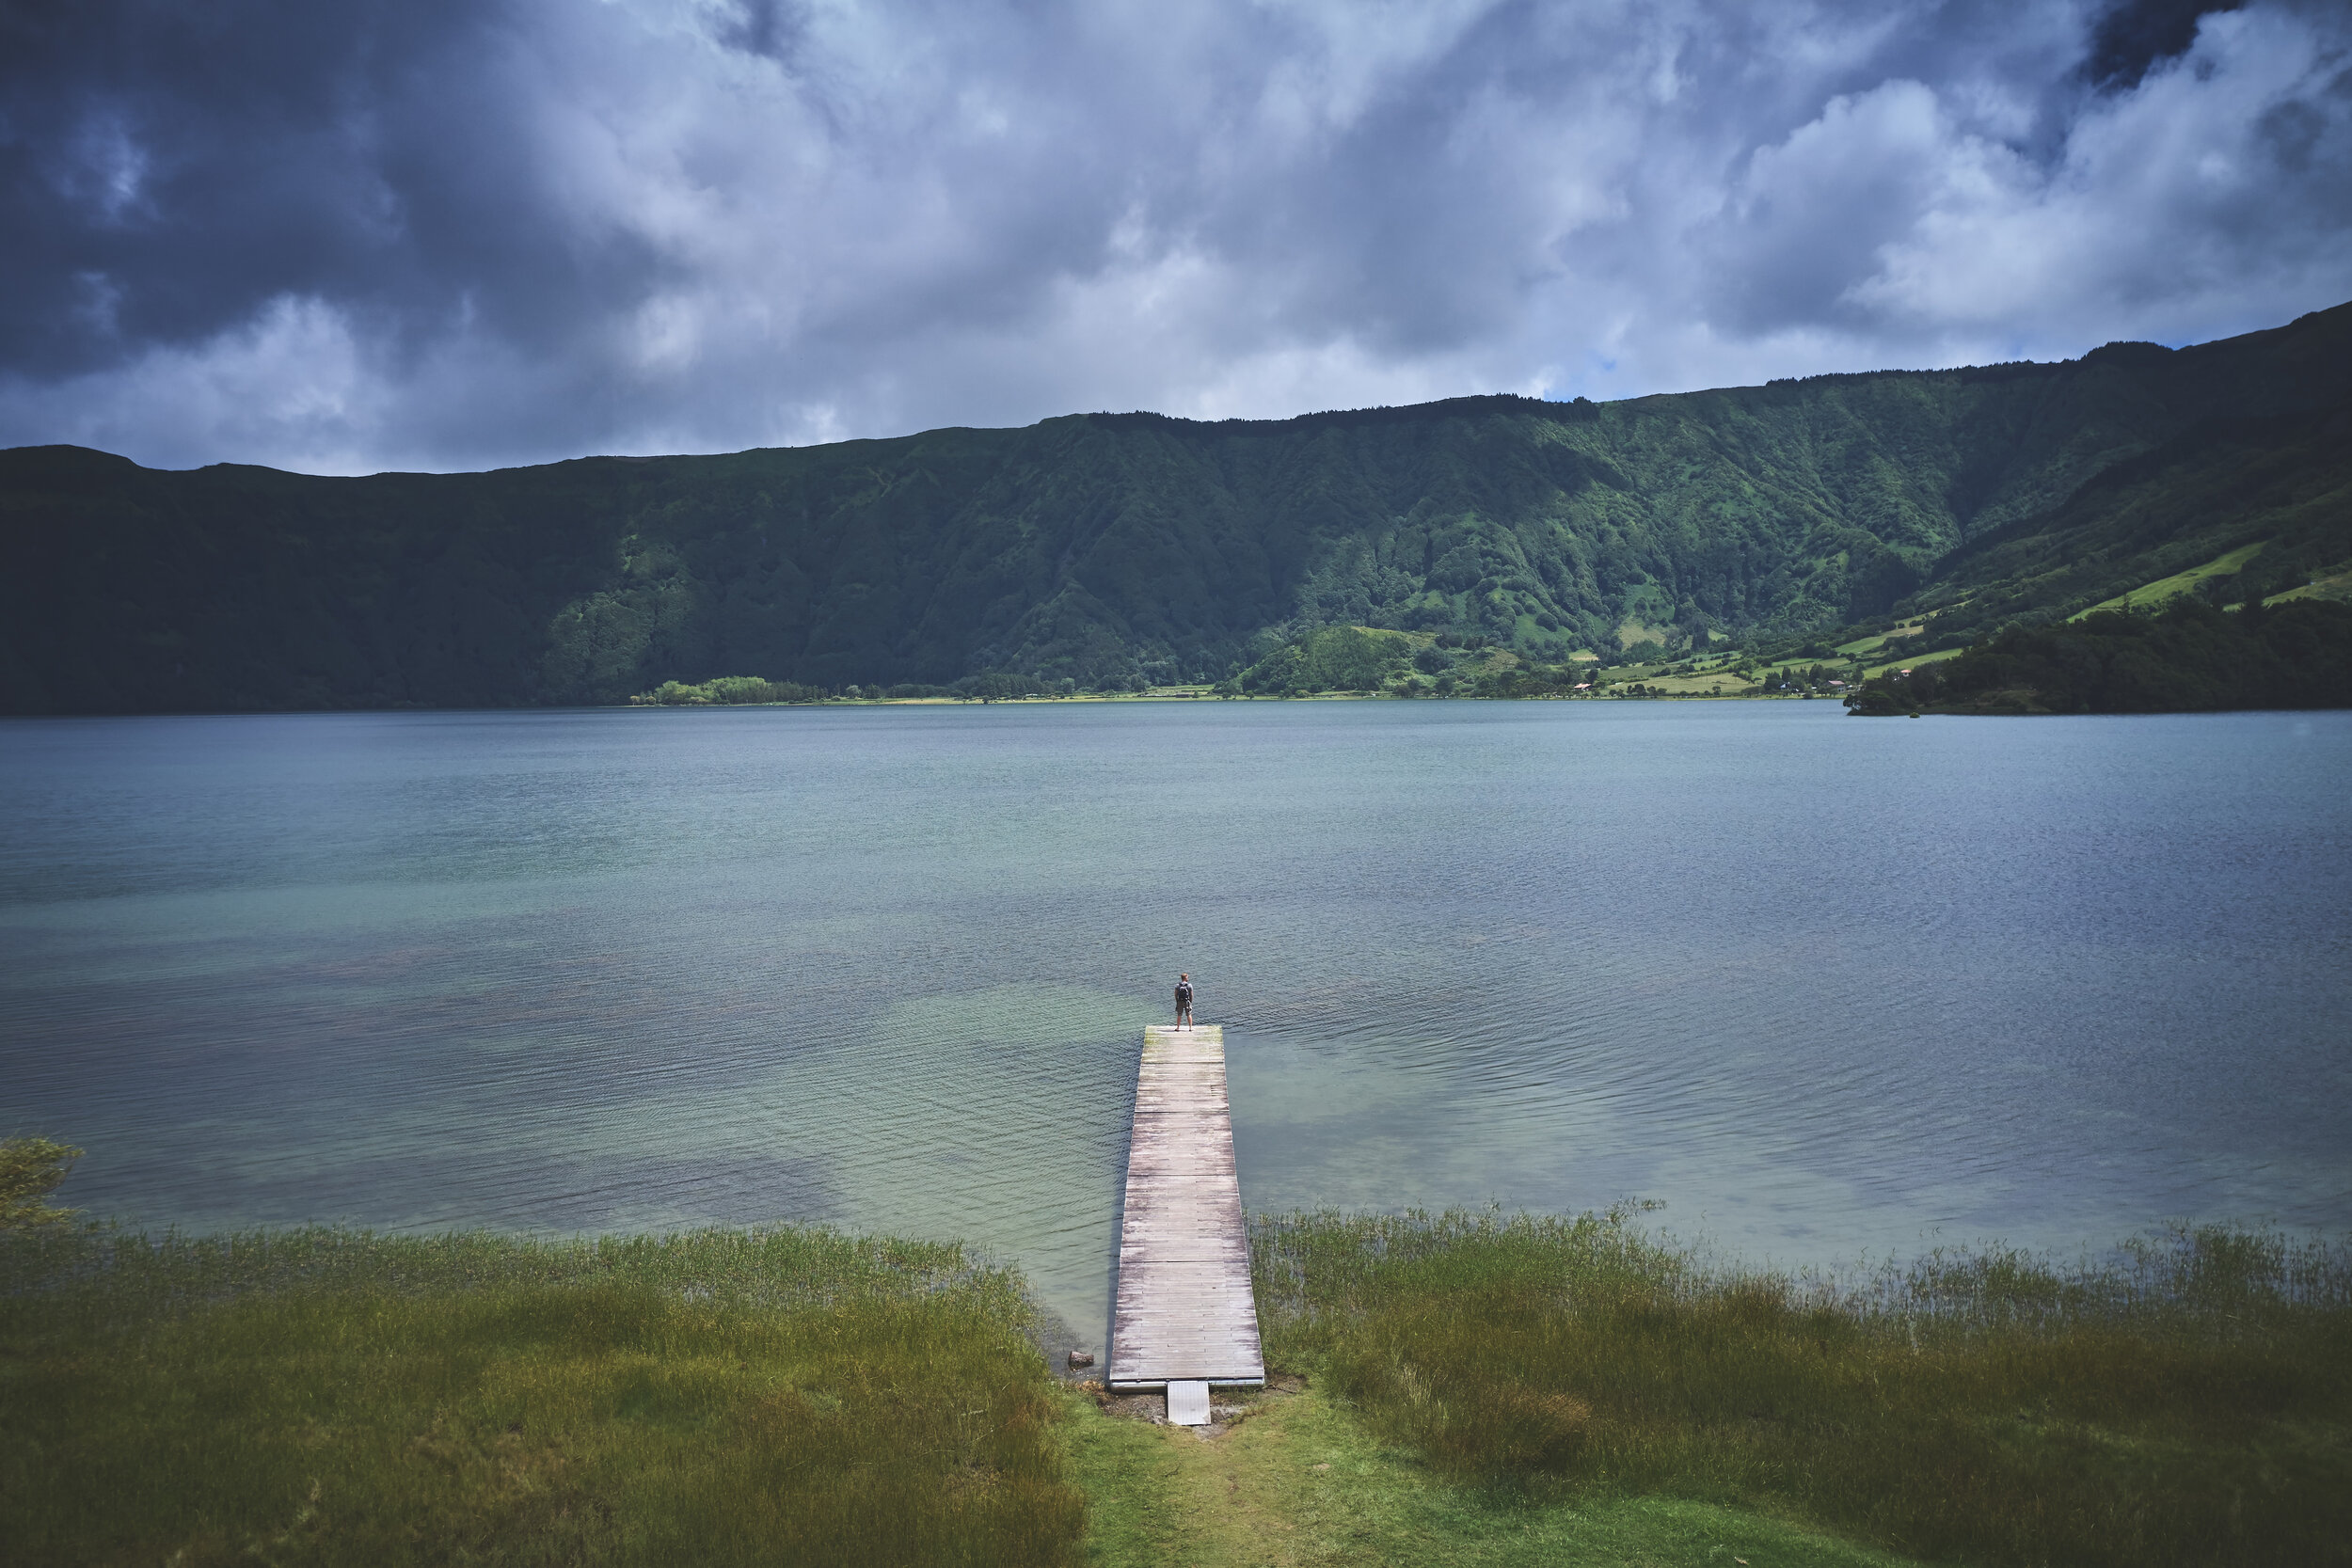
{"points": [[738, 690], [728, 690], [2190, 656], [1331, 658], [1376, 662]]}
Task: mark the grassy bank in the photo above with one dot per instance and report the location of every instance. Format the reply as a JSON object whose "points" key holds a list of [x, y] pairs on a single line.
{"points": [[1475, 1389], [2188, 1402], [1302, 1482], [333, 1397]]}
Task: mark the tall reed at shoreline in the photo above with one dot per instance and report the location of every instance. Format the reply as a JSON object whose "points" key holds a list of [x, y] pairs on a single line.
{"points": [[2187, 1400], [330, 1396]]}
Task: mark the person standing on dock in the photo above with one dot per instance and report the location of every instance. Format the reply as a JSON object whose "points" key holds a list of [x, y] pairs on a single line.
{"points": [[1183, 1001]]}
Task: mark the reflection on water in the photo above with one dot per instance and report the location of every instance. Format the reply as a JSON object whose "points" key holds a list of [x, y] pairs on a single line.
{"points": [[1821, 985]]}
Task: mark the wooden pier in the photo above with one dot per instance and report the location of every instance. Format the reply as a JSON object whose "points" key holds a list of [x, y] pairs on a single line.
{"points": [[1186, 1316]]}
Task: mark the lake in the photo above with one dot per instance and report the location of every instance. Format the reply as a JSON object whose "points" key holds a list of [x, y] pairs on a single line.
{"points": [[1824, 987]]}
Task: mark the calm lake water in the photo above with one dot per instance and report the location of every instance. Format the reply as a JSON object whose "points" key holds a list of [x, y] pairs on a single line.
{"points": [[1823, 987]]}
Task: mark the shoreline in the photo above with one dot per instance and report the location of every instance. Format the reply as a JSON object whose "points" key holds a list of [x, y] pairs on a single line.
{"points": [[1162, 696]]}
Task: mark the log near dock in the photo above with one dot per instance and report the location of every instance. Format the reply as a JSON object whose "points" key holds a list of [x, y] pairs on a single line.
{"points": [[1185, 1317]]}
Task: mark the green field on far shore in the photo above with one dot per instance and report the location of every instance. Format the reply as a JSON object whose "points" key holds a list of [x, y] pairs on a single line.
{"points": [[2149, 595]]}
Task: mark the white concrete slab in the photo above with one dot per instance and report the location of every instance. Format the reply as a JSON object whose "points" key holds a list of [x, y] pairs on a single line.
{"points": [[1188, 1404]]}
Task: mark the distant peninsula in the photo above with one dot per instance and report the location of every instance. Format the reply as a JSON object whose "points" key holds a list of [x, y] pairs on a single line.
{"points": [[1801, 536], [2189, 657]]}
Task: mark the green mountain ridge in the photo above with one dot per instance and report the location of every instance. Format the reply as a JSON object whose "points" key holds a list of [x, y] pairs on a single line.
{"points": [[1112, 549]]}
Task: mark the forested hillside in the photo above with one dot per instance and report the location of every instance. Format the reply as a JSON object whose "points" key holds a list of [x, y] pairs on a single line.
{"points": [[1113, 549], [2190, 658]]}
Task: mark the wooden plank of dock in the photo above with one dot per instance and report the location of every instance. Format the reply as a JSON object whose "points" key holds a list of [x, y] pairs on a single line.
{"points": [[1185, 1311]]}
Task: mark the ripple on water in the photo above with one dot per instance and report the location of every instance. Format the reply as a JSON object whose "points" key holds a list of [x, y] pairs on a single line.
{"points": [[1819, 986]]}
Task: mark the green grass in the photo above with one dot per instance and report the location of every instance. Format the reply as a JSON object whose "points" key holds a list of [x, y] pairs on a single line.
{"points": [[2149, 595], [2335, 585], [1481, 1391], [1702, 682], [1862, 645], [1913, 661], [2190, 1401], [1302, 1481], [333, 1397]]}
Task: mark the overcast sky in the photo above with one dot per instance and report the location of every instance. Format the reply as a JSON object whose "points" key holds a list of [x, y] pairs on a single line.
{"points": [[462, 233]]}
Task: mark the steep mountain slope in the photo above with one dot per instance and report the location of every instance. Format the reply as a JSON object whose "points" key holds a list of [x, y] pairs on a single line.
{"points": [[2282, 483], [1107, 547]]}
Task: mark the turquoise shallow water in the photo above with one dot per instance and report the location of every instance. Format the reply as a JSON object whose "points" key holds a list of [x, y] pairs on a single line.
{"points": [[1823, 986]]}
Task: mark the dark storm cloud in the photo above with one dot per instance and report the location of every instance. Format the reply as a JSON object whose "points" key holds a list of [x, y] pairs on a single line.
{"points": [[2137, 34], [172, 169], [772, 28], [443, 234]]}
